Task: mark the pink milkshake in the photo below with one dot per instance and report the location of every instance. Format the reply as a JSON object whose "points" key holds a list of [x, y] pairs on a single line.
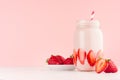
{"points": [[87, 36]]}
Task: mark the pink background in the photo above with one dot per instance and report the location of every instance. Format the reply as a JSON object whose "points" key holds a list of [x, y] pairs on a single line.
{"points": [[32, 30]]}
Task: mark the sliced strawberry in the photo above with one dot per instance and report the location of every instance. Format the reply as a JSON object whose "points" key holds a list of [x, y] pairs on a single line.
{"points": [[101, 65], [60, 59], [91, 58], [99, 54], [81, 55], [68, 61], [112, 68], [75, 57], [53, 60]]}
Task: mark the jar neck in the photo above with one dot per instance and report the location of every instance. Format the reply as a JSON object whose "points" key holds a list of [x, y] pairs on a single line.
{"points": [[87, 27], [88, 24]]}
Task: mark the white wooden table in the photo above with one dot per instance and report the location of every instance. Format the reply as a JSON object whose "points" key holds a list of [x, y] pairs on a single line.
{"points": [[37, 73]]}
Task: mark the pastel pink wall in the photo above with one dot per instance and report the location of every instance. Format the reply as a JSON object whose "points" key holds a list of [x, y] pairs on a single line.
{"points": [[31, 30]]}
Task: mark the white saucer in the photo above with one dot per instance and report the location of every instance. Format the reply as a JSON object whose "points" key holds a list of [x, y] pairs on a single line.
{"points": [[61, 67]]}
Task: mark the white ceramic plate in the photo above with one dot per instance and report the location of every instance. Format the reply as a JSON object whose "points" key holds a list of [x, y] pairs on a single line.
{"points": [[61, 67]]}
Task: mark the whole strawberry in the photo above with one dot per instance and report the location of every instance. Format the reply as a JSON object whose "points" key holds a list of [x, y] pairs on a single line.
{"points": [[52, 60], [68, 61], [60, 59], [112, 68]]}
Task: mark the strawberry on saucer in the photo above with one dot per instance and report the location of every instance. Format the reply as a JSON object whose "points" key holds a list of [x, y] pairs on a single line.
{"points": [[58, 62]]}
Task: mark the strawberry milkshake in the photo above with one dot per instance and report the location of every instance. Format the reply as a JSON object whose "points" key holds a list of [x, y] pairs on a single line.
{"points": [[88, 40]]}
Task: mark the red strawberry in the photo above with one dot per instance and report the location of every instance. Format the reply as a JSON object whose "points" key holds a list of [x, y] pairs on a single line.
{"points": [[112, 68], [81, 56], [75, 57], [68, 61], [99, 54], [60, 59], [101, 65], [91, 58], [53, 60]]}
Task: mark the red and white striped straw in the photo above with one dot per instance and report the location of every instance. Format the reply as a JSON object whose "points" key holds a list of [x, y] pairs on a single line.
{"points": [[92, 15]]}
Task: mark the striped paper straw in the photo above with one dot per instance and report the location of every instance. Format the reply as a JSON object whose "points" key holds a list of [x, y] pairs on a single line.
{"points": [[92, 15]]}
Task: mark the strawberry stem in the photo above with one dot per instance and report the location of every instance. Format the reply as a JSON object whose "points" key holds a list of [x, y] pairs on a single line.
{"points": [[47, 60], [108, 60], [71, 56]]}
